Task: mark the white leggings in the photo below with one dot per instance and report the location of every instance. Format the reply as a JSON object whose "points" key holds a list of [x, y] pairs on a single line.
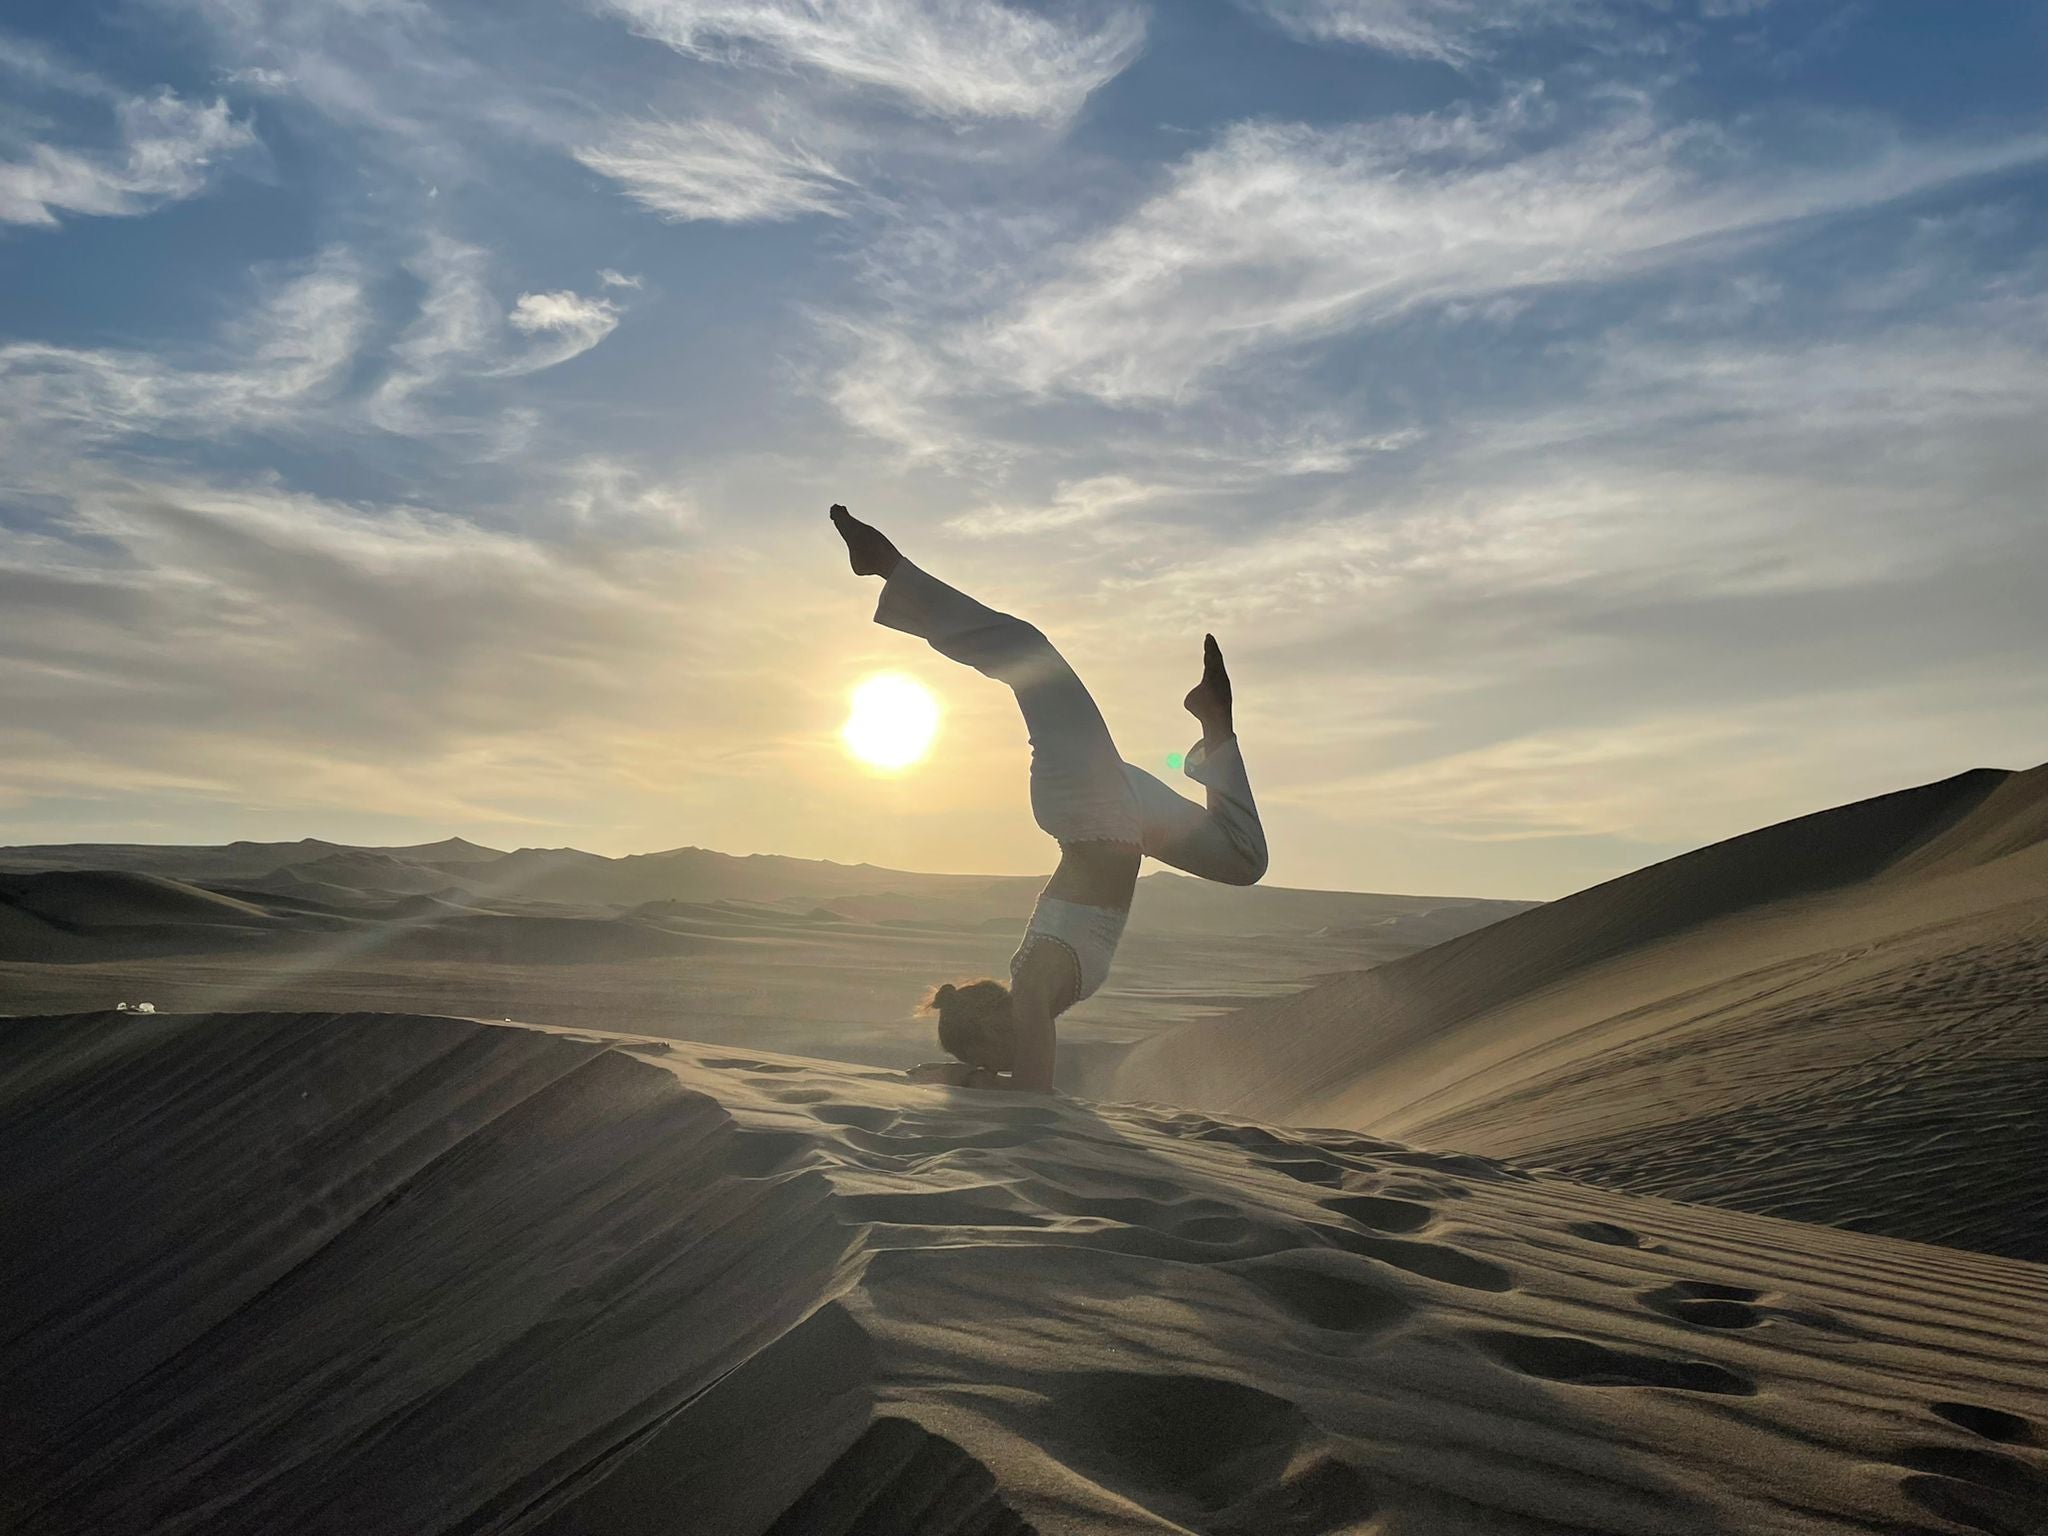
{"points": [[1081, 788]]}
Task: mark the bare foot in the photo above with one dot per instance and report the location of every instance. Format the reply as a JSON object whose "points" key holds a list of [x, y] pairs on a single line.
{"points": [[1209, 700], [867, 547]]}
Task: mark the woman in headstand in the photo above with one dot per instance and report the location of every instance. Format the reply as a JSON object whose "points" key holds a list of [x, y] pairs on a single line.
{"points": [[1105, 813]]}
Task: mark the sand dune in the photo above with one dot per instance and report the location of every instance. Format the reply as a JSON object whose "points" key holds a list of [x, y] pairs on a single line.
{"points": [[361, 870], [1843, 1018], [863, 892], [816, 959], [117, 899], [369, 1273], [226, 861]]}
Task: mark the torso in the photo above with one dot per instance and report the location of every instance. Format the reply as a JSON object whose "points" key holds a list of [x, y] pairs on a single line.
{"points": [[1098, 875]]}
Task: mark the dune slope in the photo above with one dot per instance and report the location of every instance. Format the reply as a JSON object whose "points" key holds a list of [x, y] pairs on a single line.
{"points": [[411, 1274], [1843, 1018]]}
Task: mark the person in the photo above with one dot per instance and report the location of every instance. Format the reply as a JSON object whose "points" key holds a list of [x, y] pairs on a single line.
{"points": [[1105, 813]]}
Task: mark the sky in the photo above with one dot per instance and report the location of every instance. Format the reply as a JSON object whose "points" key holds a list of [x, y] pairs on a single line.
{"points": [[1592, 428]]}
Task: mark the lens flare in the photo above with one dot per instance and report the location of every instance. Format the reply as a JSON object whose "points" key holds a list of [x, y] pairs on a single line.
{"points": [[892, 722]]}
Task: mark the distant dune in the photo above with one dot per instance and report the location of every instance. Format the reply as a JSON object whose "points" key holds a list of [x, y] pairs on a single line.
{"points": [[1842, 1018], [283, 1273], [569, 877], [91, 899], [791, 954]]}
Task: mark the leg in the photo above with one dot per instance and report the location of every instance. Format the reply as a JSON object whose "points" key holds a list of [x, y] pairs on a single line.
{"points": [[1078, 790], [1227, 841]]}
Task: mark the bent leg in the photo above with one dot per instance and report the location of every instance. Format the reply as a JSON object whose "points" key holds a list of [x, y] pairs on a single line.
{"points": [[1078, 790], [1226, 841]]}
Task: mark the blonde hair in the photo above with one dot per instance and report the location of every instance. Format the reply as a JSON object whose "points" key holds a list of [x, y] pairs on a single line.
{"points": [[975, 1022]]}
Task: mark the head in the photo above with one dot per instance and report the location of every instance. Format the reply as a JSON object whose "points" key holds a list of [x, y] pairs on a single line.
{"points": [[975, 1023]]}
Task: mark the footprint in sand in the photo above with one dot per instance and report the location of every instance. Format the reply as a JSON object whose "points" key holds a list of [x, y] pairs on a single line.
{"points": [[1325, 1289], [1309, 1170], [1379, 1214], [1583, 1363], [804, 1096], [1991, 1423], [1443, 1190], [1607, 1232], [1706, 1304], [1433, 1261], [1209, 1454], [1980, 1490]]}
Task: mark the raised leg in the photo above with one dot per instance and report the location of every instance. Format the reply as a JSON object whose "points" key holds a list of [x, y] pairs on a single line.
{"points": [[1078, 790], [1209, 701], [1226, 840]]}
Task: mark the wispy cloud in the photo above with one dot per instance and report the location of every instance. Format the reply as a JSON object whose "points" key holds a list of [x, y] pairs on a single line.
{"points": [[289, 351], [293, 360], [460, 331], [1072, 505], [1449, 30], [951, 58], [1281, 235], [155, 616], [168, 151], [568, 324], [715, 171]]}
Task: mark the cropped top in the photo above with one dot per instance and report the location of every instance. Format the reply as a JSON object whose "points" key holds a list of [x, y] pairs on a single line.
{"points": [[1089, 934]]}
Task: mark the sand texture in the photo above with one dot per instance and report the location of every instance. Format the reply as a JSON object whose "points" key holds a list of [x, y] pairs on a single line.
{"points": [[370, 1273], [1842, 1019]]}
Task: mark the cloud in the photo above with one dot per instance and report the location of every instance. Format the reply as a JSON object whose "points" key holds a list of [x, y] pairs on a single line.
{"points": [[289, 352], [226, 630], [459, 331], [1281, 235], [1286, 233], [607, 499], [612, 279], [949, 58], [569, 324], [294, 358], [715, 171], [169, 149], [1072, 505], [43, 68], [1450, 30]]}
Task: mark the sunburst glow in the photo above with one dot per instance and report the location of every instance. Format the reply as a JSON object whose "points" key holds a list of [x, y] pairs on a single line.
{"points": [[892, 721]]}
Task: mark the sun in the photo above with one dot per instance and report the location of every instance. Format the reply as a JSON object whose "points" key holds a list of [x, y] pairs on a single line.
{"points": [[892, 721]]}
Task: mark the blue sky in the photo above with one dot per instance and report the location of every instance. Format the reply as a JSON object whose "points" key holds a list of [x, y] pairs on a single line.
{"points": [[1593, 427]]}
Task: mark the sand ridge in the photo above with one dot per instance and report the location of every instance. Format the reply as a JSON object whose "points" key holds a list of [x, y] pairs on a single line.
{"points": [[428, 1274], [1840, 1019]]}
